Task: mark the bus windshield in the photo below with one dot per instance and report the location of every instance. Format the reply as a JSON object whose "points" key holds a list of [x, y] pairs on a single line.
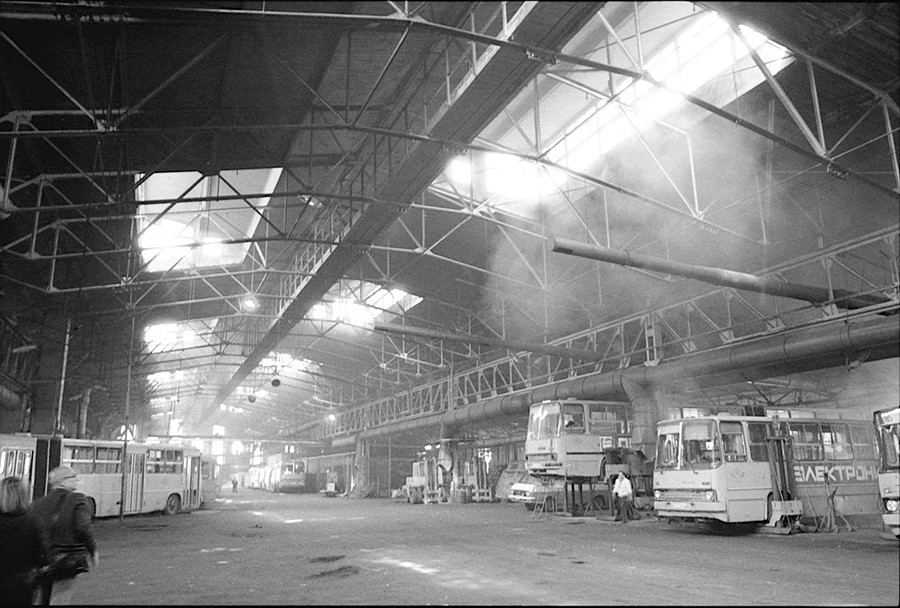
{"points": [[888, 424], [689, 444], [544, 421]]}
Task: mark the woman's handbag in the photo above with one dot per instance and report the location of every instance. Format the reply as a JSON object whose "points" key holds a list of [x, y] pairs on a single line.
{"points": [[67, 561]]}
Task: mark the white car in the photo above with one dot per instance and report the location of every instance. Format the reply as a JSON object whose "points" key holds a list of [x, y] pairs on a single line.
{"points": [[527, 494]]}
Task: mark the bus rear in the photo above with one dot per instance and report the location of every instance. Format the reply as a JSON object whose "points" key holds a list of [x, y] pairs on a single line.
{"points": [[293, 476], [887, 429]]}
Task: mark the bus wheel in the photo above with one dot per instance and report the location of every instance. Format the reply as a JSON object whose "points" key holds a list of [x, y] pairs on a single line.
{"points": [[92, 508], [173, 505]]}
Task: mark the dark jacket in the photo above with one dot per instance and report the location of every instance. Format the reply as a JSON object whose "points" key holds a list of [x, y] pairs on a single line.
{"points": [[23, 548], [65, 518]]}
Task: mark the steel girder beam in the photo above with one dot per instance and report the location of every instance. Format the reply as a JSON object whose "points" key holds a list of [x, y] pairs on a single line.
{"points": [[709, 321], [787, 352], [406, 173]]}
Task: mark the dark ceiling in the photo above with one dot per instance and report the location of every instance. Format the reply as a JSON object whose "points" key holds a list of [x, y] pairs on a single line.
{"points": [[364, 107]]}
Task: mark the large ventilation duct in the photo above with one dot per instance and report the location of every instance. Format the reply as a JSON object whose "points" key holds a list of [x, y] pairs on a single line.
{"points": [[9, 399], [788, 352], [719, 276]]}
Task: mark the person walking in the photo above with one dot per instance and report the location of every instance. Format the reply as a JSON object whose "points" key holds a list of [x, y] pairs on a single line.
{"points": [[234, 484], [65, 517], [623, 491], [23, 547]]}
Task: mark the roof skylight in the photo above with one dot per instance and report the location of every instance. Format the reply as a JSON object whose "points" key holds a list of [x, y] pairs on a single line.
{"points": [[706, 50], [184, 223]]}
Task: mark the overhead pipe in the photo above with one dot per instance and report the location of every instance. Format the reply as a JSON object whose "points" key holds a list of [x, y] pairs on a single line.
{"points": [[511, 345], [787, 352], [9, 398], [719, 276]]}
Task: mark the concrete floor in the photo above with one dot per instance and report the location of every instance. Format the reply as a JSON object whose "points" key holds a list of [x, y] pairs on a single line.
{"points": [[258, 548]]}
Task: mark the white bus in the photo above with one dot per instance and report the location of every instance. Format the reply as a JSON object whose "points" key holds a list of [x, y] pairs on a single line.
{"points": [[572, 448], [568, 438], [887, 429], [741, 469], [157, 477], [281, 473]]}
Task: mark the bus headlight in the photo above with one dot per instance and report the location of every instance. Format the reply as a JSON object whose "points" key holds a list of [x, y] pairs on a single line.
{"points": [[710, 495], [890, 505]]}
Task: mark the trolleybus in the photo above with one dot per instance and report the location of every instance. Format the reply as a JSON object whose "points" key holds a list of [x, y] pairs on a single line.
{"points": [[567, 438], [887, 429], [280, 474], [572, 448], [157, 477], [741, 469]]}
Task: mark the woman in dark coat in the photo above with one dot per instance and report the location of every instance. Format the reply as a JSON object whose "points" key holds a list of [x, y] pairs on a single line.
{"points": [[23, 547]]}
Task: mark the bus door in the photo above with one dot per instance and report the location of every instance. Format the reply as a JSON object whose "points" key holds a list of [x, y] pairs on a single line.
{"points": [[48, 455], [192, 482], [747, 482], [134, 483]]}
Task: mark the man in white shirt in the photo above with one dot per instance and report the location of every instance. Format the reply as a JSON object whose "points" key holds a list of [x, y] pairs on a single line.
{"points": [[622, 490]]}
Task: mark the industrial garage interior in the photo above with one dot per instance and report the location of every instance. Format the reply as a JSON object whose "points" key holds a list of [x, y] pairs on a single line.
{"points": [[372, 235]]}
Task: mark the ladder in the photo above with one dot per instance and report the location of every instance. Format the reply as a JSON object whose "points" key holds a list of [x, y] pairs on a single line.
{"points": [[546, 496]]}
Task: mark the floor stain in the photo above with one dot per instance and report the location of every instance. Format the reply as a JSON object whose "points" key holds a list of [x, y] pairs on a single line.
{"points": [[341, 572], [325, 558]]}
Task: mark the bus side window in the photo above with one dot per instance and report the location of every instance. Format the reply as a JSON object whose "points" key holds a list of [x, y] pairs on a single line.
{"points": [[759, 452], [108, 460], [154, 461], [836, 439], [573, 418], [807, 440], [80, 458], [733, 442], [864, 443]]}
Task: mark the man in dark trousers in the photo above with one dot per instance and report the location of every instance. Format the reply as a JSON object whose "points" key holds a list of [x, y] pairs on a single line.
{"points": [[65, 517], [623, 492]]}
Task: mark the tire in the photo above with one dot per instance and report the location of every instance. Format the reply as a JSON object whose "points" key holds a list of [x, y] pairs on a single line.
{"points": [[92, 508], [173, 505]]}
